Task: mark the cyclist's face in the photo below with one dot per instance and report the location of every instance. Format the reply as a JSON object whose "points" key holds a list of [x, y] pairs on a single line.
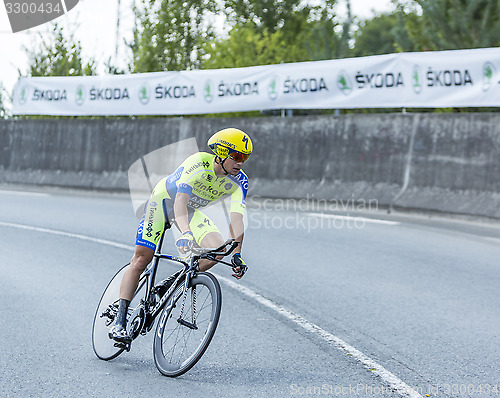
{"points": [[232, 166]]}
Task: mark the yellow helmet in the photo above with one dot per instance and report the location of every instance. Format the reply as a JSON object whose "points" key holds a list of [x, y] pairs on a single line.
{"points": [[232, 143]]}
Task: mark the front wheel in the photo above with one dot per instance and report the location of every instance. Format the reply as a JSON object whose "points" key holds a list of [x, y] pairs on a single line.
{"points": [[180, 341]]}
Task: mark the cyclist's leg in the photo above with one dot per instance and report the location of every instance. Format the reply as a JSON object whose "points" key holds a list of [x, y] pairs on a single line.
{"points": [[212, 239], [206, 234], [142, 257], [149, 232]]}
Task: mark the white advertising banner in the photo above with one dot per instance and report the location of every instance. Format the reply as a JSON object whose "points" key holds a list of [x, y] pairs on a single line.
{"points": [[462, 78]]}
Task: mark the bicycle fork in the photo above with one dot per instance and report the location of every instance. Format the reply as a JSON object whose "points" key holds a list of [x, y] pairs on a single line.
{"points": [[181, 320]]}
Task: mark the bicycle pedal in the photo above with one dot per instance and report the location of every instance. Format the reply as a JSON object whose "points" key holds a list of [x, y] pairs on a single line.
{"points": [[187, 324], [123, 345]]}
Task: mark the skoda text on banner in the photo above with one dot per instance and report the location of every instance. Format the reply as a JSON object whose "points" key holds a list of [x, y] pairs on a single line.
{"points": [[461, 78]]}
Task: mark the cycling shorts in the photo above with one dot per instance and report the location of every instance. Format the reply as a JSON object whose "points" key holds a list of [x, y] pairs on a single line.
{"points": [[158, 209]]}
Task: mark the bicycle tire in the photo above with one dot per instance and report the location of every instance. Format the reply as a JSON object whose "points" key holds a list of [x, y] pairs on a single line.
{"points": [[169, 361], [101, 343]]}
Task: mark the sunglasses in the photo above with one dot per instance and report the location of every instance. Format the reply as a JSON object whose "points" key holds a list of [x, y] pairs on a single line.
{"points": [[238, 157]]}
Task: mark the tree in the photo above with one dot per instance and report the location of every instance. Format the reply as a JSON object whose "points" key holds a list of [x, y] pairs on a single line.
{"points": [[58, 56], [324, 43], [291, 17], [248, 46], [292, 33], [376, 36], [171, 37], [268, 15], [454, 24]]}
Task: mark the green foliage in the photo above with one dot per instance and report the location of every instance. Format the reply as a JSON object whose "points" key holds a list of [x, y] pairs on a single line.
{"points": [[247, 46], [289, 34], [171, 34], [267, 15], [58, 56], [385, 33], [454, 24], [375, 36]]}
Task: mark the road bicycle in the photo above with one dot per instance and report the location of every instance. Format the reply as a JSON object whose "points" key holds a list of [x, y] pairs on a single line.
{"points": [[190, 311]]}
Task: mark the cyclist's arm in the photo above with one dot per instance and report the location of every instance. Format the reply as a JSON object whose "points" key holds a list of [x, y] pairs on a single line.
{"points": [[236, 229], [181, 211], [238, 204]]}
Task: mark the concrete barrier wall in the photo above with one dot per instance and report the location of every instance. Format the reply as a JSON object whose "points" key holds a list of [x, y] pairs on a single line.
{"points": [[443, 162]]}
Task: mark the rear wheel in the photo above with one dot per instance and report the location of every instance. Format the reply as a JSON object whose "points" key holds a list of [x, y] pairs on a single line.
{"points": [[180, 341], [105, 314]]}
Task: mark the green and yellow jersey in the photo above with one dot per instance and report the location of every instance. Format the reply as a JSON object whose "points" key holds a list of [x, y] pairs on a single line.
{"points": [[195, 177]]}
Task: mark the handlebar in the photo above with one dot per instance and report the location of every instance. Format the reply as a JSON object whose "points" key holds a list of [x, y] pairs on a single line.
{"points": [[219, 251]]}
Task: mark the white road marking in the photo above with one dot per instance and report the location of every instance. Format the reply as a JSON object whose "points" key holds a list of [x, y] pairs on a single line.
{"points": [[353, 218], [387, 377], [24, 193], [67, 234], [394, 382]]}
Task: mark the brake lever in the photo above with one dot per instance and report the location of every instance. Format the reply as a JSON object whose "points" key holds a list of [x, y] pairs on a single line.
{"points": [[233, 246]]}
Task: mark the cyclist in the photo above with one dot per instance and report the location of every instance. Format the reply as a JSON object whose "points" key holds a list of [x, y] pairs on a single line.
{"points": [[201, 179]]}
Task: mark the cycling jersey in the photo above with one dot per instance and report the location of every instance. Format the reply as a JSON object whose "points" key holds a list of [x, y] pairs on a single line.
{"points": [[195, 177]]}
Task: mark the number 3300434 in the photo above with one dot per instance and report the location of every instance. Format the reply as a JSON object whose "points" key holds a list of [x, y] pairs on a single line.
{"points": [[33, 8]]}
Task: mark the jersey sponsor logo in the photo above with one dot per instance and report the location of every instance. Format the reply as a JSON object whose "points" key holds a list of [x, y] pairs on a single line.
{"points": [[186, 188], [201, 187], [196, 202], [228, 186], [151, 216], [206, 221], [243, 180], [141, 228], [205, 164], [174, 177], [207, 176], [157, 236]]}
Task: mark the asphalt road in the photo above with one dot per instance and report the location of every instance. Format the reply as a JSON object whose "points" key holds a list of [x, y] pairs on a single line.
{"points": [[419, 296]]}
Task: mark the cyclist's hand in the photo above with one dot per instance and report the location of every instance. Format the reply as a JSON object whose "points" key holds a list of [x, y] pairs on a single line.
{"points": [[239, 266], [185, 242]]}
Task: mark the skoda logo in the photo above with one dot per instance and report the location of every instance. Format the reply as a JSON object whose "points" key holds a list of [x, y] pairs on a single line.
{"points": [[208, 91], [489, 72], [144, 94], [80, 95], [416, 79], [272, 89], [344, 82], [23, 95]]}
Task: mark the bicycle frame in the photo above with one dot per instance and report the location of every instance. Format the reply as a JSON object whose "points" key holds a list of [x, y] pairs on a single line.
{"points": [[150, 276], [188, 271]]}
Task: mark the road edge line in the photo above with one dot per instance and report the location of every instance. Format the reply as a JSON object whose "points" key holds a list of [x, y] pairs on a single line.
{"points": [[398, 386]]}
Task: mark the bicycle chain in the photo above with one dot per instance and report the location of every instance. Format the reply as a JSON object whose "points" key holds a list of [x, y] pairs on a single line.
{"points": [[183, 301], [194, 304]]}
